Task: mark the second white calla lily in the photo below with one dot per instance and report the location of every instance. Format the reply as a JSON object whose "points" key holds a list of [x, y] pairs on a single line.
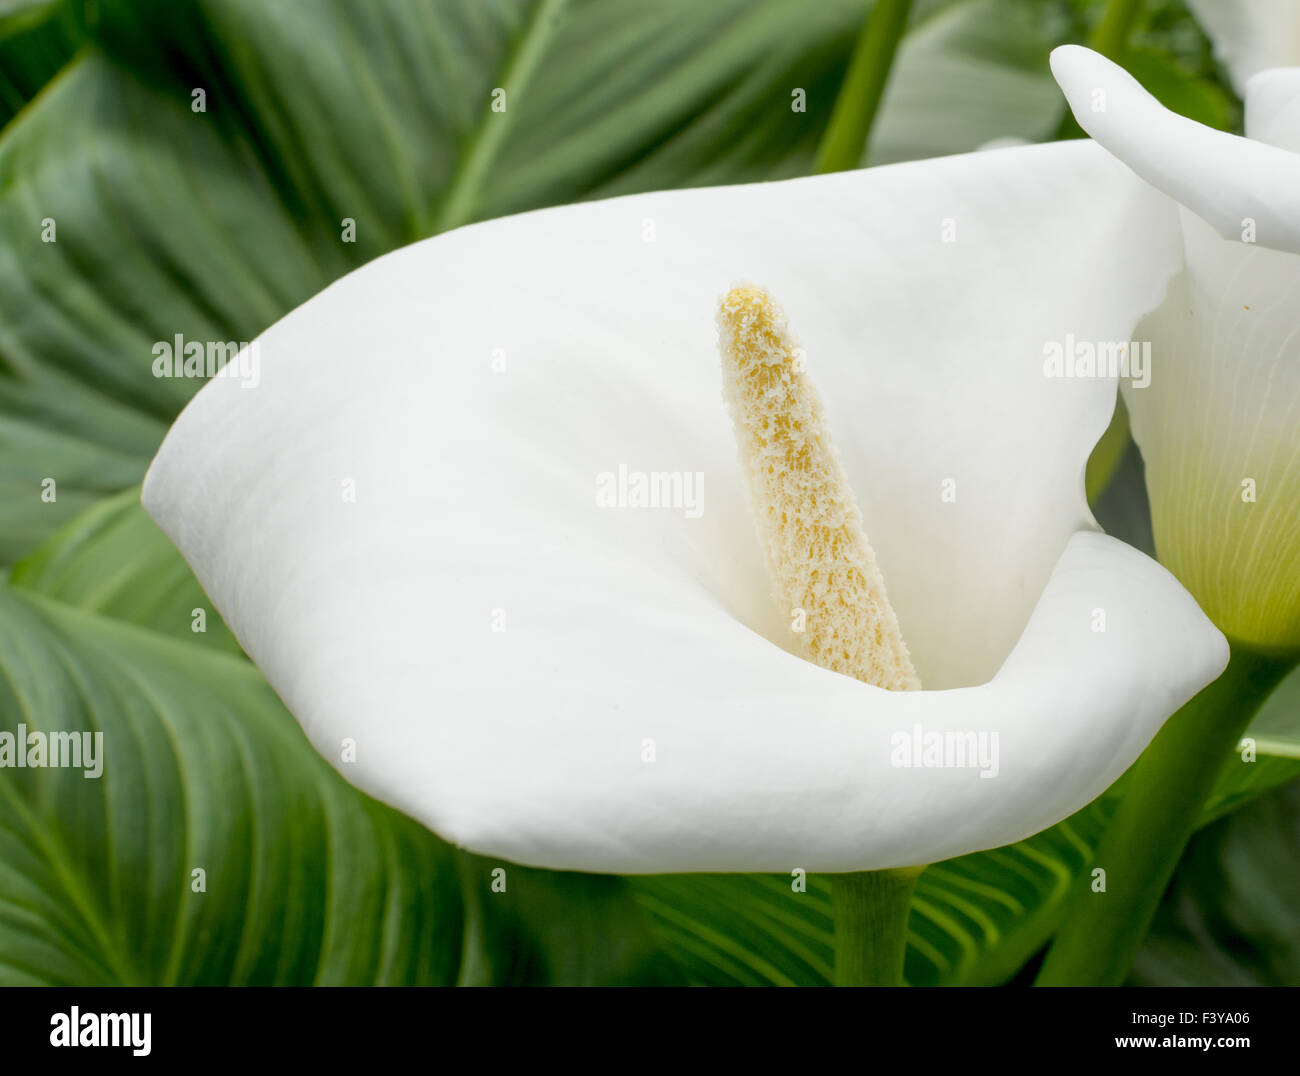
{"points": [[1218, 422], [402, 521]]}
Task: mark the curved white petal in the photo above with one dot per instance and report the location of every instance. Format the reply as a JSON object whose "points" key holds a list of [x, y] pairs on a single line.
{"points": [[472, 388], [1251, 35], [1239, 185], [1218, 428]]}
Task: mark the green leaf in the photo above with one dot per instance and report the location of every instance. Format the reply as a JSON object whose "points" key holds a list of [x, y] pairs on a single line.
{"points": [[844, 145], [1180, 91], [384, 111], [971, 72], [112, 559], [305, 879], [159, 227], [37, 37], [975, 919], [556, 928], [1171, 36], [1276, 728], [1275, 736], [742, 929], [1230, 917]]}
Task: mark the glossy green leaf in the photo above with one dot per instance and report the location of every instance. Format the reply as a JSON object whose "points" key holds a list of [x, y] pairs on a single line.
{"points": [[975, 920], [1197, 98], [1268, 756], [556, 928], [37, 37], [1276, 728], [113, 560], [1231, 917], [156, 226], [1192, 81], [743, 929], [969, 73]]}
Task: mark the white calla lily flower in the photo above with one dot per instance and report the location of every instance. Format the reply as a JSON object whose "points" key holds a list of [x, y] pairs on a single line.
{"points": [[1217, 425], [483, 527]]}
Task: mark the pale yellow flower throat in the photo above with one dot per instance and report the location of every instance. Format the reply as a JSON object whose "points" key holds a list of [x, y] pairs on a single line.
{"points": [[823, 570]]}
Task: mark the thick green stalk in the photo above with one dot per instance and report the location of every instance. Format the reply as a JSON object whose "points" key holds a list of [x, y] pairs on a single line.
{"points": [[1141, 847], [845, 140], [1110, 38], [871, 910], [1111, 34]]}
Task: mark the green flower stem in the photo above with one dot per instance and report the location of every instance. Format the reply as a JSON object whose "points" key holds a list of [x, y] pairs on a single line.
{"points": [[1110, 38], [1141, 847], [871, 910], [845, 140], [1111, 34]]}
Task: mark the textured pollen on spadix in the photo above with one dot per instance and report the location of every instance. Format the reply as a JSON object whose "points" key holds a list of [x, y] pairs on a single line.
{"points": [[823, 569]]}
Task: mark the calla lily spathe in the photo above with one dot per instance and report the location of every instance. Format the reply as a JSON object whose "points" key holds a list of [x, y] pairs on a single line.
{"points": [[640, 712], [1219, 424]]}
